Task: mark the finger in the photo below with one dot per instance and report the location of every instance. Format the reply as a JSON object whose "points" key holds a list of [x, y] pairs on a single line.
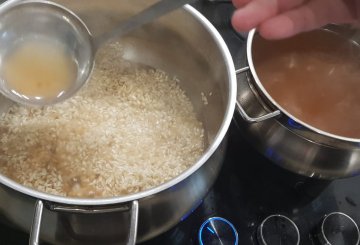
{"points": [[240, 3], [281, 26], [253, 14], [313, 15], [284, 5]]}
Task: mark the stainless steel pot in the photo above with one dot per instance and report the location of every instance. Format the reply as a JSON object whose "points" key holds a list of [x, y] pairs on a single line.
{"points": [[183, 44], [286, 140]]}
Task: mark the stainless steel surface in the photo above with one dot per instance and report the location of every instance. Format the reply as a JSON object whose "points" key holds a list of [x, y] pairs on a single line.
{"points": [[162, 7], [35, 228], [241, 70], [133, 223], [260, 232], [195, 53], [133, 209], [261, 118], [87, 210], [70, 31], [323, 236], [289, 142], [28, 20], [243, 113]]}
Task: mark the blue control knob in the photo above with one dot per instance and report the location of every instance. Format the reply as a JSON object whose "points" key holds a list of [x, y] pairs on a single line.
{"points": [[216, 231]]}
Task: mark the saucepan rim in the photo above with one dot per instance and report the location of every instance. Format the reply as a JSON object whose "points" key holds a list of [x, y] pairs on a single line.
{"points": [[276, 105], [230, 107]]}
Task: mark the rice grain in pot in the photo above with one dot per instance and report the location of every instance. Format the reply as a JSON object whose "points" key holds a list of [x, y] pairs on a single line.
{"points": [[131, 129]]}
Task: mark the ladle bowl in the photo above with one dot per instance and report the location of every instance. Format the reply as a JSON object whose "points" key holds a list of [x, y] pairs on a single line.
{"points": [[29, 20], [38, 19]]}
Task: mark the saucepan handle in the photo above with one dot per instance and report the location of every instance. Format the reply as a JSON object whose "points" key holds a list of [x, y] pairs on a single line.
{"points": [[243, 113], [35, 227], [39, 206]]}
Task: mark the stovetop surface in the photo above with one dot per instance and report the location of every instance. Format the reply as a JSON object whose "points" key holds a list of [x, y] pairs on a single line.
{"points": [[250, 188]]}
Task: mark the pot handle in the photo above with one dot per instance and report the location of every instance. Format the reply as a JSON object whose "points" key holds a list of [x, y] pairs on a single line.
{"points": [[35, 227], [242, 112], [39, 206]]}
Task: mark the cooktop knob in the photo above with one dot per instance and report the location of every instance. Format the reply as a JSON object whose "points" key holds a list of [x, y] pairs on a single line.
{"points": [[216, 231], [278, 229], [338, 228]]}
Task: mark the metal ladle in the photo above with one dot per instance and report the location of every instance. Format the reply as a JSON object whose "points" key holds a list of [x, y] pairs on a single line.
{"points": [[29, 19]]}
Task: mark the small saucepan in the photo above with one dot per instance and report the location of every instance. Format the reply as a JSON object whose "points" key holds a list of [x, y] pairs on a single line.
{"points": [[284, 138]]}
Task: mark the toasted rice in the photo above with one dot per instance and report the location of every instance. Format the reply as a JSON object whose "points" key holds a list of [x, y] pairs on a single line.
{"points": [[128, 130]]}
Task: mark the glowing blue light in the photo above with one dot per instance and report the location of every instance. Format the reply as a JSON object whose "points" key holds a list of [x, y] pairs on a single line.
{"points": [[212, 219], [207, 227], [191, 211], [271, 154], [294, 124], [185, 216]]}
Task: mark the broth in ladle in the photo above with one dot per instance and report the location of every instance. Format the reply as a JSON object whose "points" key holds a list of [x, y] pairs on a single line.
{"points": [[38, 69], [314, 76]]}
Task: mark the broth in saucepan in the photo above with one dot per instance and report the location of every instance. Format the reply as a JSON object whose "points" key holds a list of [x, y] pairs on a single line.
{"points": [[314, 76]]}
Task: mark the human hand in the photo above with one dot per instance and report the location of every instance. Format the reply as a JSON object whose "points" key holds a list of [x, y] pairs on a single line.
{"points": [[276, 19]]}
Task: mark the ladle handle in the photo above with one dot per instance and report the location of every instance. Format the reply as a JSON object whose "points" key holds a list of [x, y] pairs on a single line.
{"points": [[146, 16]]}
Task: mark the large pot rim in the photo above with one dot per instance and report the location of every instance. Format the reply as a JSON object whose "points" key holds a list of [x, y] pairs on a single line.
{"points": [[230, 107], [279, 107]]}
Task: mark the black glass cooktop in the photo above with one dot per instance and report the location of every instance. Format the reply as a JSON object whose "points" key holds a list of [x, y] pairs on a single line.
{"points": [[251, 189], [253, 201]]}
